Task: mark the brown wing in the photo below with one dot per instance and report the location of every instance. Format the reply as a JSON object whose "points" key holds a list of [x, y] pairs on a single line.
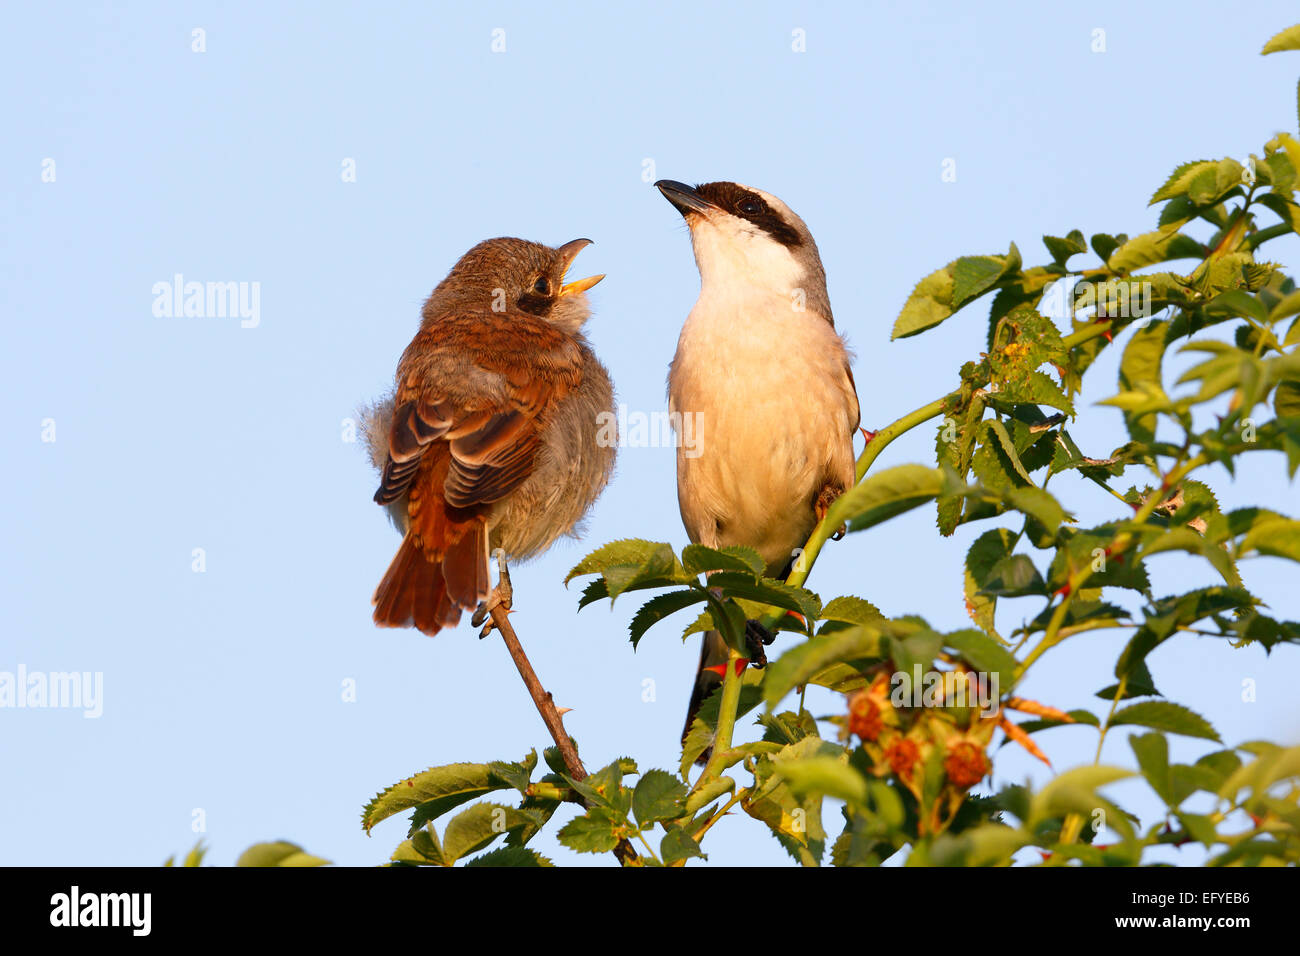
{"points": [[479, 389]]}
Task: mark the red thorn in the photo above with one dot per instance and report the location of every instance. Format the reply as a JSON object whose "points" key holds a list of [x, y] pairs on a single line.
{"points": [[1062, 592], [797, 616], [721, 669], [867, 435]]}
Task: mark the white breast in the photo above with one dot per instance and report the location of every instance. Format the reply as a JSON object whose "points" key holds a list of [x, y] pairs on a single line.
{"points": [[774, 416]]}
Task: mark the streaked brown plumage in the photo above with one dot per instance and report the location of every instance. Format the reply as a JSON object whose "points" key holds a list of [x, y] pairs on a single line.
{"points": [[490, 438]]}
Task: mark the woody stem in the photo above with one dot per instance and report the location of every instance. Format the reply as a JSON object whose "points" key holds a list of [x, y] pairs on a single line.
{"points": [[550, 716]]}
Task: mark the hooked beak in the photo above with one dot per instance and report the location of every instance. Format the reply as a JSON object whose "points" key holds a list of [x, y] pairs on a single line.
{"points": [[568, 252], [685, 199]]}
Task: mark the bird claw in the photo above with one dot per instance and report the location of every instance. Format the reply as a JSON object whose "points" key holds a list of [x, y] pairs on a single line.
{"points": [[502, 596], [825, 499], [756, 636]]}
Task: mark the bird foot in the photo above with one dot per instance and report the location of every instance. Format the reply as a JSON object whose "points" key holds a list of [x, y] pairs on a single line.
{"points": [[825, 498], [756, 636], [502, 596]]}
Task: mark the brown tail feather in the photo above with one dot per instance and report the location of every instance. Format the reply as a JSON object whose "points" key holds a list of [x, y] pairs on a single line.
{"points": [[464, 564], [413, 594], [713, 652], [441, 567]]}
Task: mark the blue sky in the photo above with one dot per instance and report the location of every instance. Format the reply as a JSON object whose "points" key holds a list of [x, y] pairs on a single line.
{"points": [[223, 689]]}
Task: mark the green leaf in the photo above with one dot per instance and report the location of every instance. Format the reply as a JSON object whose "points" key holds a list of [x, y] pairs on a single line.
{"points": [[882, 495], [738, 584], [422, 849], [1152, 752], [477, 826], [1279, 537], [1003, 438], [1104, 244], [1176, 611], [1073, 791], [1167, 716], [1152, 247], [697, 558], [984, 654], [434, 791], [278, 853], [972, 276], [658, 796], [1180, 180], [826, 775], [634, 552], [988, 550], [678, 845], [593, 833], [1036, 388], [511, 856], [802, 661], [1288, 39], [661, 606], [851, 610], [1140, 367], [1062, 249], [928, 305], [1235, 302], [517, 775]]}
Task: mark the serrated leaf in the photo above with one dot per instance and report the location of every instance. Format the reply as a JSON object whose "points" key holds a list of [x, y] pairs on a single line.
{"points": [[1167, 716], [436, 790], [678, 845], [1152, 247], [804, 660], [825, 775], [1062, 249], [635, 552], [1181, 179], [511, 856], [279, 853], [1152, 752], [738, 584], [697, 558], [984, 654], [851, 610], [658, 796], [593, 833], [928, 305], [661, 606], [882, 495], [1277, 537], [1073, 791], [477, 826]]}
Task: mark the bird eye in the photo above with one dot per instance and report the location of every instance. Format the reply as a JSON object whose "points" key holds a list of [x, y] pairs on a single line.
{"points": [[542, 286], [750, 207]]}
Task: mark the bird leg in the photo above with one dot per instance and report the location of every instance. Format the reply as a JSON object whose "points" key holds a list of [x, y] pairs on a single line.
{"points": [[756, 635], [825, 498], [502, 596]]}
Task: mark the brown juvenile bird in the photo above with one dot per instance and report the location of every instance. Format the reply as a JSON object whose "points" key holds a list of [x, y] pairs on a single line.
{"points": [[761, 366], [491, 438]]}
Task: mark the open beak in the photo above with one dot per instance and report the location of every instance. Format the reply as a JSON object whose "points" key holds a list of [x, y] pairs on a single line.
{"points": [[568, 252], [685, 199]]}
